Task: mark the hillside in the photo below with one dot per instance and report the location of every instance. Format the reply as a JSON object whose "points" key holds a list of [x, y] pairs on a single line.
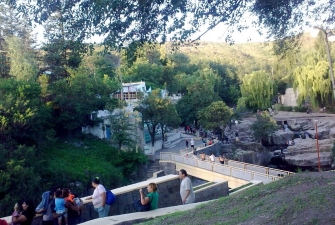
{"points": [[303, 198], [245, 57]]}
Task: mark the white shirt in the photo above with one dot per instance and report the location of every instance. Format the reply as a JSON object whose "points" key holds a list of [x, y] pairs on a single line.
{"points": [[192, 142], [184, 186], [96, 197], [212, 157]]}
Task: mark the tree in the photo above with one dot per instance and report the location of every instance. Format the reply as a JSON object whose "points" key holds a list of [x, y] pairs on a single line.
{"points": [[258, 88], [312, 81], [123, 21], [215, 116], [23, 117], [123, 127], [263, 126], [156, 110], [23, 65], [169, 119], [76, 97]]}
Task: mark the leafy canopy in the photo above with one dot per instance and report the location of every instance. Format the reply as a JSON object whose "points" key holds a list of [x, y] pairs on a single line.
{"points": [[263, 126]]}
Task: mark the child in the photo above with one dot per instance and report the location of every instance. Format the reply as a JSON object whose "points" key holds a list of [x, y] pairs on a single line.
{"points": [[60, 206], [70, 197], [16, 213]]}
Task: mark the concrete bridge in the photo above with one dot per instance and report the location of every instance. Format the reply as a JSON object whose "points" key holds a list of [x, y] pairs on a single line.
{"points": [[236, 173]]}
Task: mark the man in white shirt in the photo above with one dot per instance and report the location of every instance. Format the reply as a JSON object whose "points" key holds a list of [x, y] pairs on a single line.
{"points": [[212, 157], [186, 189], [192, 143]]}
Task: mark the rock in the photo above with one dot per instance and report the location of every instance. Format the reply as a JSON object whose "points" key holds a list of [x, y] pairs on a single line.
{"points": [[280, 137], [323, 133], [332, 132], [304, 153], [294, 127]]}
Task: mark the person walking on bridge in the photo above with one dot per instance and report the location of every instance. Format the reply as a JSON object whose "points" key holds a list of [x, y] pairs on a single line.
{"points": [[186, 189]]}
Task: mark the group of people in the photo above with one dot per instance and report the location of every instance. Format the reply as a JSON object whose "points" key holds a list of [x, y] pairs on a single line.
{"points": [[150, 202], [56, 204], [61, 206]]}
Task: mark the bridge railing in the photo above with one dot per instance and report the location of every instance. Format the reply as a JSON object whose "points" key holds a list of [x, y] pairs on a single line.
{"points": [[235, 169]]}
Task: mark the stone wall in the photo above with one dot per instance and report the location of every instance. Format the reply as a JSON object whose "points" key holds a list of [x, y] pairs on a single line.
{"points": [[216, 148], [212, 192], [168, 196]]}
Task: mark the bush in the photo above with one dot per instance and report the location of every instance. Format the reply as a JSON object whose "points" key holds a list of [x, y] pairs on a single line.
{"points": [[263, 126], [300, 109], [285, 108]]}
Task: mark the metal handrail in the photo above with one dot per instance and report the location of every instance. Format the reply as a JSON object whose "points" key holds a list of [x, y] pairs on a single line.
{"points": [[231, 168]]}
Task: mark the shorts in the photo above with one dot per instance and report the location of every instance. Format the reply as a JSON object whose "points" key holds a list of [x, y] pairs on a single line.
{"points": [[61, 212]]}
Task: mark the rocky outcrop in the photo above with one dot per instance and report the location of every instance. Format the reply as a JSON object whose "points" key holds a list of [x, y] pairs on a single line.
{"points": [[281, 137], [323, 133], [304, 153]]}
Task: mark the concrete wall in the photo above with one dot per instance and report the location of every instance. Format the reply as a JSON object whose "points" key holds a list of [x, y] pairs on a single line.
{"points": [[148, 149], [214, 191], [168, 190], [290, 98]]}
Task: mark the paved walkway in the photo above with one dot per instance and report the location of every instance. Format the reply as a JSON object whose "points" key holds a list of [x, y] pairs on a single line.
{"points": [[180, 144]]}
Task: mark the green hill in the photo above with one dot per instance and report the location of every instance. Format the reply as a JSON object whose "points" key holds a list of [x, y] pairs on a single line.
{"points": [[303, 198]]}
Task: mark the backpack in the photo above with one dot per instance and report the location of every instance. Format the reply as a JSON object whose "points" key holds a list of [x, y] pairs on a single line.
{"points": [[141, 208], [110, 197]]}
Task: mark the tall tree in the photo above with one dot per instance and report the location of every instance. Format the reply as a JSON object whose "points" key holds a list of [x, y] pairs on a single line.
{"points": [[200, 88], [312, 82], [76, 97], [156, 110], [215, 116], [258, 88], [123, 127], [23, 63]]}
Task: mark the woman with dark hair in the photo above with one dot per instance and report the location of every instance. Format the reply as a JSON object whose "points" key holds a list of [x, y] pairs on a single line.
{"points": [[28, 213], [99, 198]]}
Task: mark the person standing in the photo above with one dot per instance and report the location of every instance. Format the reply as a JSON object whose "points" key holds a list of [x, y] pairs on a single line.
{"points": [[212, 157], [192, 143], [186, 141], [99, 198], [186, 189]]}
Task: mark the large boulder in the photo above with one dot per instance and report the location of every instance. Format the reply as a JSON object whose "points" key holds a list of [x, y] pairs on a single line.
{"points": [[280, 137], [323, 133], [304, 153]]}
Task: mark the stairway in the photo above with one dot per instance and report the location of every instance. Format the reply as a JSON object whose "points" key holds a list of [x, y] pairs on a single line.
{"points": [[154, 167]]}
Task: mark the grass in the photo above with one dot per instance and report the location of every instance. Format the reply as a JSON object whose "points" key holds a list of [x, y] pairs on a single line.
{"points": [[304, 198]]}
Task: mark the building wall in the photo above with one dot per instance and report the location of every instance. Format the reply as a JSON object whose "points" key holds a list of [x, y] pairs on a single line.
{"points": [[290, 98]]}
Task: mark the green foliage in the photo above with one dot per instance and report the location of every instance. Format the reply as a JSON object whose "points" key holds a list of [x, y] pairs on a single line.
{"points": [[76, 97], [18, 177], [215, 116], [242, 105], [258, 88], [80, 160], [312, 80], [263, 126], [156, 109], [23, 117], [23, 65], [144, 71], [123, 126]]}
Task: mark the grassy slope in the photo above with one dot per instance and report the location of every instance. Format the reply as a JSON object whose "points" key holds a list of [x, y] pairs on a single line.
{"points": [[246, 57], [303, 198]]}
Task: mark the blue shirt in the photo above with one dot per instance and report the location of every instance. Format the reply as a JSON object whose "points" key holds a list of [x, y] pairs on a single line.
{"points": [[59, 204]]}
